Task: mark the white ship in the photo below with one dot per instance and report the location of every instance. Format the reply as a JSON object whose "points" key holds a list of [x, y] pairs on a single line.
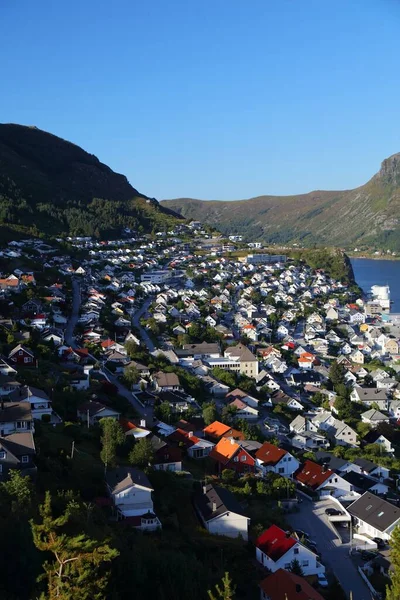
{"points": [[381, 295]]}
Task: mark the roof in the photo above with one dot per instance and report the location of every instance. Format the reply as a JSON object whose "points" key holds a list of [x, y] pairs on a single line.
{"points": [[283, 585], [270, 454], [15, 411], [333, 462], [224, 450], [275, 542], [94, 408], [312, 475], [166, 379], [19, 444], [360, 481], [242, 352], [214, 501], [26, 392], [125, 477], [18, 348], [375, 511], [365, 465], [184, 437], [216, 429]]}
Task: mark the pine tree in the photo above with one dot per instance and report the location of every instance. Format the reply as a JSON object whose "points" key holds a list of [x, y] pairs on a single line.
{"points": [[296, 568], [225, 591], [112, 437], [77, 569], [393, 590]]}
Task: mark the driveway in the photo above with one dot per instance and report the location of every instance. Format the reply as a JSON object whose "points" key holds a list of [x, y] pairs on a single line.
{"points": [[73, 319], [144, 336], [311, 518]]}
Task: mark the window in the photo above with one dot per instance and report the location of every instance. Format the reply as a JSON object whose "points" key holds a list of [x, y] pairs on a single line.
{"points": [[20, 352], [21, 424], [304, 563], [25, 459], [2, 455], [236, 459], [281, 470], [1, 468], [289, 458], [286, 566], [296, 551], [243, 458]]}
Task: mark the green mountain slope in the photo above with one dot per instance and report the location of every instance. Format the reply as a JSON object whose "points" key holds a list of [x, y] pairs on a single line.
{"points": [[50, 186], [366, 215]]}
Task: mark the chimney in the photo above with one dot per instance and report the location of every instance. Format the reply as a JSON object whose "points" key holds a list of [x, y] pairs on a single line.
{"points": [[190, 434], [287, 534], [298, 588], [214, 506], [324, 467], [142, 422], [2, 404], [204, 489], [232, 441]]}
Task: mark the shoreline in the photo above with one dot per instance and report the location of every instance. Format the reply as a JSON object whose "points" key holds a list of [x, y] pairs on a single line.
{"points": [[366, 257]]}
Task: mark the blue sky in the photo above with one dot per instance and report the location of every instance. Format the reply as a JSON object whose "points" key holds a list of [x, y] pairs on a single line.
{"points": [[213, 99]]}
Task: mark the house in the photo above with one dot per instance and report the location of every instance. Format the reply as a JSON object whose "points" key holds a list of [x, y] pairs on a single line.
{"points": [[20, 355], [15, 417], [40, 402], [93, 411], [375, 437], [228, 454], [374, 417], [368, 396], [309, 440], [321, 480], [244, 396], [166, 457], [16, 452], [8, 385], [335, 429], [241, 354], [270, 458], [166, 382], [216, 430], [131, 429], [361, 483], [131, 491], [276, 549], [243, 411], [282, 585], [196, 447], [221, 513], [374, 516], [367, 467]]}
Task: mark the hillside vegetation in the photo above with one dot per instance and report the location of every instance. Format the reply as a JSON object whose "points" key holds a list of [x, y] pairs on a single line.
{"points": [[50, 186], [368, 215]]}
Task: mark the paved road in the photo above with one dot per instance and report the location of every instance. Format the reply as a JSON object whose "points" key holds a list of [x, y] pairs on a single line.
{"points": [[73, 319], [144, 412], [144, 336], [312, 519]]}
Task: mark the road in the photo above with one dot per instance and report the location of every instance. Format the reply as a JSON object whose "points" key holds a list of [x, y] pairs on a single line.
{"points": [[73, 319], [144, 412], [144, 336], [311, 518]]}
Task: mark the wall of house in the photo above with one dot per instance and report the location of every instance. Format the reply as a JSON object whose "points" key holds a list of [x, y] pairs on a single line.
{"points": [[171, 466], [340, 485], [307, 559], [230, 524], [249, 368], [193, 451], [371, 531], [134, 501]]}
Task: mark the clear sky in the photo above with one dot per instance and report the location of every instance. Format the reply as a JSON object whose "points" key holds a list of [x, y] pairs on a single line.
{"points": [[213, 99]]}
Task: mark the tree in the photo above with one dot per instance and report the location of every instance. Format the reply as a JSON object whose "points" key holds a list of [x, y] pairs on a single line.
{"points": [[393, 590], [77, 569], [225, 591], [142, 454], [228, 475], [229, 414], [19, 490], [209, 413], [336, 373], [163, 412], [296, 568], [131, 375], [112, 437]]}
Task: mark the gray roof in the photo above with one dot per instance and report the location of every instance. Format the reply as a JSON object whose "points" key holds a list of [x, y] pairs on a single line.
{"points": [[374, 415], [375, 511], [15, 411], [19, 444], [370, 394], [26, 392], [333, 462], [215, 501], [124, 477], [242, 352], [365, 465]]}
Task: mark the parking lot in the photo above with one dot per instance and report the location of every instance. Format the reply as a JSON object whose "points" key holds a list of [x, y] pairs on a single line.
{"points": [[312, 519]]}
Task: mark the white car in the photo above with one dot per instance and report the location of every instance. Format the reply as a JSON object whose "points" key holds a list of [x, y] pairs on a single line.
{"points": [[322, 580]]}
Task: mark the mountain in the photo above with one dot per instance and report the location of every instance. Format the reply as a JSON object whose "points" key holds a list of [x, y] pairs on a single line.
{"points": [[51, 186], [368, 215]]}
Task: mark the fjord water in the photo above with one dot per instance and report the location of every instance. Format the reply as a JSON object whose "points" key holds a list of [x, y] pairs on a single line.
{"points": [[369, 272]]}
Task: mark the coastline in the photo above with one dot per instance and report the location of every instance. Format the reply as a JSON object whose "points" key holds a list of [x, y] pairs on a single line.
{"points": [[368, 257]]}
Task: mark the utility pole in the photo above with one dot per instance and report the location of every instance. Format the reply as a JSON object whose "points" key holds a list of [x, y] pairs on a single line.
{"points": [[88, 419], [72, 450]]}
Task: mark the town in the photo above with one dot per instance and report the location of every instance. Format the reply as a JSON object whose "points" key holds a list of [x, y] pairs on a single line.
{"points": [[209, 403]]}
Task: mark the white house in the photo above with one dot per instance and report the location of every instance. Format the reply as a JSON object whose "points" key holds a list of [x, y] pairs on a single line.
{"points": [[374, 516], [221, 513], [131, 491], [270, 458], [276, 549], [38, 399]]}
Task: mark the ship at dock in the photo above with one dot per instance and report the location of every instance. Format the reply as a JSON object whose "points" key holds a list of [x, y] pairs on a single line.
{"points": [[380, 294]]}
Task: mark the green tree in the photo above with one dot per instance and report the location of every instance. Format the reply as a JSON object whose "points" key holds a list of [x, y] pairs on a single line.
{"points": [[112, 437], [19, 490], [228, 475], [163, 412], [77, 569], [393, 590], [209, 413], [229, 414], [336, 373], [223, 591], [296, 568], [131, 375], [142, 454]]}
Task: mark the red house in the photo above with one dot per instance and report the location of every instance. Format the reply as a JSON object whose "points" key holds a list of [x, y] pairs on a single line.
{"points": [[22, 356], [230, 455]]}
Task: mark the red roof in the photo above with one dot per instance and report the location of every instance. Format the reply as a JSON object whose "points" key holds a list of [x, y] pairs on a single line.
{"points": [[312, 475], [283, 585], [270, 454], [274, 542], [183, 436]]}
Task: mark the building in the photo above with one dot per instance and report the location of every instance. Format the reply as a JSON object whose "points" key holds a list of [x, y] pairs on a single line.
{"points": [[242, 355], [374, 516], [265, 259], [221, 513], [277, 549], [271, 459], [155, 277], [196, 447], [283, 585], [38, 399], [91, 412], [131, 491], [164, 382], [22, 356], [228, 454], [15, 417], [17, 451], [321, 480]]}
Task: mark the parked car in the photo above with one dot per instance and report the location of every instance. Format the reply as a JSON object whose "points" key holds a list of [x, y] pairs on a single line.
{"points": [[301, 534], [322, 580], [368, 554], [333, 512], [379, 542]]}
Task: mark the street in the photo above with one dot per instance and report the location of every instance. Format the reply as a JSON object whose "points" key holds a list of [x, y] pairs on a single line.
{"points": [[144, 412], [144, 336], [311, 518], [73, 319]]}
